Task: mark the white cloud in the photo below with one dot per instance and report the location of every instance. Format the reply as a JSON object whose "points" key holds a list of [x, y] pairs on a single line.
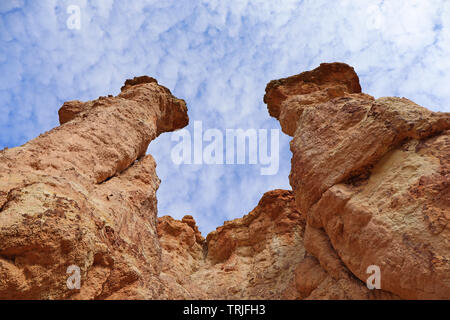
{"points": [[218, 56]]}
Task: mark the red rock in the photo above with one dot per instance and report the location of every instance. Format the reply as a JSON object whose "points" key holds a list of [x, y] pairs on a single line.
{"points": [[253, 257], [84, 194], [370, 181], [372, 178]]}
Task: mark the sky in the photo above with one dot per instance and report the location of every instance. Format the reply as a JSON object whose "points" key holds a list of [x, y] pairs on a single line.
{"points": [[218, 56]]}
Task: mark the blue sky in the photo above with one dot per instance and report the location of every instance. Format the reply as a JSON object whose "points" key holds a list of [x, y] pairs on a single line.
{"points": [[218, 56]]}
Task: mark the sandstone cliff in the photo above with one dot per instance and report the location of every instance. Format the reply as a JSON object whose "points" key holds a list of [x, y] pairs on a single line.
{"points": [[370, 181], [371, 177], [253, 257]]}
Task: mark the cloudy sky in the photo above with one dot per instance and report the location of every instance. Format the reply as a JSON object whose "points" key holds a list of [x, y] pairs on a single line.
{"points": [[218, 56]]}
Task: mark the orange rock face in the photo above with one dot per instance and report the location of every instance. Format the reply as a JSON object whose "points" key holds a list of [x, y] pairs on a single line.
{"points": [[83, 194], [259, 256], [370, 181], [253, 257]]}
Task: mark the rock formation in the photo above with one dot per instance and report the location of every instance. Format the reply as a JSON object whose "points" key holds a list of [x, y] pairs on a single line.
{"points": [[370, 181], [253, 257], [83, 194], [371, 177]]}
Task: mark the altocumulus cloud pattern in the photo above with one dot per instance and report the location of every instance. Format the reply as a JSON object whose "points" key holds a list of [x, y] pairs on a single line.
{"points": [[218, 56]]}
